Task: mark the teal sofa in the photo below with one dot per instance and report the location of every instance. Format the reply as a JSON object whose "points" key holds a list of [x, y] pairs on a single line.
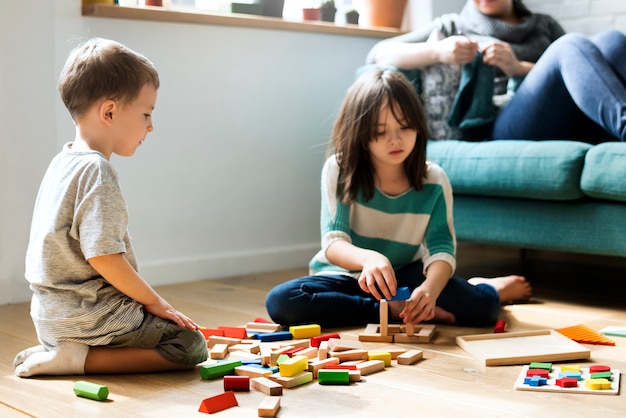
{"points": [[546, 195]]}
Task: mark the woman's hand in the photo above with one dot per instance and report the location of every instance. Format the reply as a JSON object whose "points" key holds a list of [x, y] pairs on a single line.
{"points": [[377, 277], [456, 50], [500, 54]]}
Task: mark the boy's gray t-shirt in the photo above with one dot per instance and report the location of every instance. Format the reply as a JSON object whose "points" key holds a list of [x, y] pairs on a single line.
{"points": [[79, 213]]}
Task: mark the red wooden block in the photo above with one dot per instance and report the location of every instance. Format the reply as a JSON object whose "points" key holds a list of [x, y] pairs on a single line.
{"points": [[218, 402], [567, 382], [315, 341], [207, 332], [500, 327], [341, 366], [597, 368], [237, 383], [262, 320], [538, 372], [292, 351], [234, 332]]}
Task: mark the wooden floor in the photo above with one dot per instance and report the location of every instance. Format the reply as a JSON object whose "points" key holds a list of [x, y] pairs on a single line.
{"points": [[568, 290]]}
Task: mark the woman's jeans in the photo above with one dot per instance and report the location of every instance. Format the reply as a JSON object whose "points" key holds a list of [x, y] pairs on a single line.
{"points": [[576, 90], [338, 301]]}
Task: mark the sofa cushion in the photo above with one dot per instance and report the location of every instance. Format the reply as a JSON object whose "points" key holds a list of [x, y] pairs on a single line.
{"points": [[544, 170], [604, 175]]}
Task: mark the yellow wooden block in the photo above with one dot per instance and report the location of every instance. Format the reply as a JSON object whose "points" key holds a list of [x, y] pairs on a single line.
{"points": [[598, 384], [293, 366], [380, 355], [571, 368], [305, 331]]}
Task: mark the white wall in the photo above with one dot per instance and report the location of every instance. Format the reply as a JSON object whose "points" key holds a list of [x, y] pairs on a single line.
{"points": [[228, 183]]}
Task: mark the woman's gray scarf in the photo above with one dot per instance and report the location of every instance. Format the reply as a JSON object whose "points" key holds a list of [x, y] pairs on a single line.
{"points": [[524, 37]]}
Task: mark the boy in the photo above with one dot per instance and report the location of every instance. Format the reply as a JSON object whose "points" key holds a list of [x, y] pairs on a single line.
{"points": [[92, 311]]}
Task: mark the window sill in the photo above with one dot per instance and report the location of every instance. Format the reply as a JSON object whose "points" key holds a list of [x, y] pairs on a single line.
{"points": [[188, 15]]}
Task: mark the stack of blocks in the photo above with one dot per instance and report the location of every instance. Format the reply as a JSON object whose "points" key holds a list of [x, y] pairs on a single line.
{"points": [[396, 333], [270, 360]]}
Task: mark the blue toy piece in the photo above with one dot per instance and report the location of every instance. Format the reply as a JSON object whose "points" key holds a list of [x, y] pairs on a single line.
{"points": [[402, 293]]}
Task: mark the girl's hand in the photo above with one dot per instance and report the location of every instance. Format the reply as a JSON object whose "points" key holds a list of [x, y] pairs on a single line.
{"points": [[456, 50], [378, 277], [164, 310], [500, 54], [419, 307]]}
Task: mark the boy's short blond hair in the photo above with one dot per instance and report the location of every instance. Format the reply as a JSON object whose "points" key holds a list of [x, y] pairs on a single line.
{"points": [[103, 69]]}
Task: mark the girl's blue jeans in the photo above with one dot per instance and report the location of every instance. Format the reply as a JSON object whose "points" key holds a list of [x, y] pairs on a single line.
{"points": [[337, 301], [576, 90]]}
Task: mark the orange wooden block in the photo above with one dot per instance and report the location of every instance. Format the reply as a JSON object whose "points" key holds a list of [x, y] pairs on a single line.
{"points": [[234, 332], [585, 335], [218, 402]]}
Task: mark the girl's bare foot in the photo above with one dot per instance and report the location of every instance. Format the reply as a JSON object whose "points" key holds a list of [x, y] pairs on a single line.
{"points": [[510, 288]]}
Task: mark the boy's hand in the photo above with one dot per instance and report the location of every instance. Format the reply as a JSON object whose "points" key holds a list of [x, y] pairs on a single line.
{"points": [[378, 277], [166, 311]]}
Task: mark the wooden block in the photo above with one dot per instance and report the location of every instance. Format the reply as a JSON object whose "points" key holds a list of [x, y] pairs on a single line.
{"points": [[267, 386], [215, 339], [244, 356], [305, 331], [355, 375], [269, 406], [315, 366], [304, 343], [322, 350], [333, 377], [252, 371], [219, 351], [91, 390], [585, 335], [288, 382], [410, 329], [208, 332], [370, 366], [384, 318], [315, 341], [276, 336], [410, 357], [254, 348], [310, 352], [262, 327], [218, 403], [336, 344], [234, 332], [423, 334], [380, 355], [241, 383], [220, 369], [394, 350], [293, 366], [372, 334], [356, 354]]}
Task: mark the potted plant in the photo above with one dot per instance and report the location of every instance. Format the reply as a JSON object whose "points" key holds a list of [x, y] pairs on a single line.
{"points": [[352, 16], [312, 11], [327, 11], [385, 13]]}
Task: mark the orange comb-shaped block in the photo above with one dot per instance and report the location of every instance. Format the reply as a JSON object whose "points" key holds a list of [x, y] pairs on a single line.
{"points": [[585, 335]]}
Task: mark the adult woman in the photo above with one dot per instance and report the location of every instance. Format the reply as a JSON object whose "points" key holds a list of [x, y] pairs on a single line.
{"points": [[573, 86]]}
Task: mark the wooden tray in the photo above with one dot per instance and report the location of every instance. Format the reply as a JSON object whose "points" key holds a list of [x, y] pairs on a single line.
{"points": [[522, 347]]}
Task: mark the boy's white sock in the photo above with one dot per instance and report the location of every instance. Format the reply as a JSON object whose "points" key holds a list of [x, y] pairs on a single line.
{"points": [[24, 354], [66, 359]]}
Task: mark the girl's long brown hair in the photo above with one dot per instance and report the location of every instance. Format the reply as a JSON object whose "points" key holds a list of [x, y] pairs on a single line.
{"points": [[357, 124]]}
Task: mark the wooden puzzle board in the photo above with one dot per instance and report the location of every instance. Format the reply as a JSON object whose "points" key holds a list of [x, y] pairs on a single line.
{"points": [[581, 388], [522, 347]]}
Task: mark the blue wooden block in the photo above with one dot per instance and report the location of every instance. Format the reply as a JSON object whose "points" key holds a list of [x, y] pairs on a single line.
{"points": [[572, 374], [535, 381], [402, 293], [276, 336]]}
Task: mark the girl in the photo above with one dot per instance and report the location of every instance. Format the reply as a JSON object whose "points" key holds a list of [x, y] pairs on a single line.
{"points": [[386, 222]]}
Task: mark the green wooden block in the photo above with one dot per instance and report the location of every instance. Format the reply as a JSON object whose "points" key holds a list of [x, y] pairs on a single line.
{"points": [[220, 369], [544, 366], [601, 375], [333, 377], [91, 390]]}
